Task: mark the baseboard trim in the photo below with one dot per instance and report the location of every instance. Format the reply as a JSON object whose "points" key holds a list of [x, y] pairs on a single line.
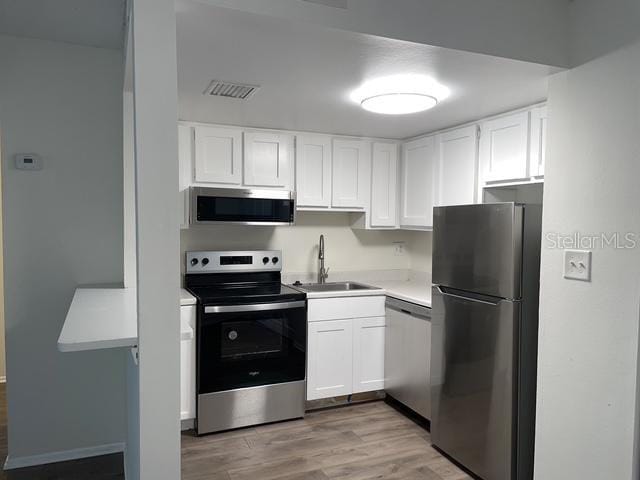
{"points": [[3, 379], [62, 456]]}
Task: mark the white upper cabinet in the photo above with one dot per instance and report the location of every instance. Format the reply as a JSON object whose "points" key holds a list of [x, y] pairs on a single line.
{"points": [[504, 147], [351, 173], [218, 156], [313, 170], [538, 141], [268, 159], [185, 168], [384, 185], [418, 170], [457, 172]]}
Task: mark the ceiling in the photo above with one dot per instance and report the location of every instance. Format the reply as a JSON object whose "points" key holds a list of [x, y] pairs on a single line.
{"points": [[95, 23], [307, 72]]}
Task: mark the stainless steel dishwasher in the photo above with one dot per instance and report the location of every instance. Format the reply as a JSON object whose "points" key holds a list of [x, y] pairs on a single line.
{"points": [[408, 355]]}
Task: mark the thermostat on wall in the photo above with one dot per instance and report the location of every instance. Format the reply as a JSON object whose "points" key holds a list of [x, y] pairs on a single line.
{"points": [[28, 161]]}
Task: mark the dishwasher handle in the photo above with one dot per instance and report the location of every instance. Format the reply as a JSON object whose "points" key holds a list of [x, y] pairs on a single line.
{"points": [[409, 308]]}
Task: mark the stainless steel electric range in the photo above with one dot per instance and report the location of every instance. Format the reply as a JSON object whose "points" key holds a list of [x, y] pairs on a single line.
{"points": [[251, 338]]}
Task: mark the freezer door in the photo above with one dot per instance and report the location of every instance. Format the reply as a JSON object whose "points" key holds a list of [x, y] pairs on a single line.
{"points": [[478, 248], [474, 357]]}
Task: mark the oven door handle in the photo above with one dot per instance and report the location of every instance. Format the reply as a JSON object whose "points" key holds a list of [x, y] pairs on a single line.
{"points": [[256, 307]]}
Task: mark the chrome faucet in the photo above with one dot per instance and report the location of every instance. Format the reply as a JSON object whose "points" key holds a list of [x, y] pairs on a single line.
{"points": [[322, 273]]}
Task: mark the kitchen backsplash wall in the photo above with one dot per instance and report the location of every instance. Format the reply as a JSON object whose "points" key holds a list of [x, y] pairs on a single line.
{"points": [[419, 248], [346, 249]]}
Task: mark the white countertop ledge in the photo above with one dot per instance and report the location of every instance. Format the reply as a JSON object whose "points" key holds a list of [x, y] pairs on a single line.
{"points": [[100, 318], [408, 290], [343, 293], [186, 298]]}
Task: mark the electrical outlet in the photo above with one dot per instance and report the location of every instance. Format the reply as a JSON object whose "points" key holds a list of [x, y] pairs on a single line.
{"points": [[399, 248], [577, 265]]}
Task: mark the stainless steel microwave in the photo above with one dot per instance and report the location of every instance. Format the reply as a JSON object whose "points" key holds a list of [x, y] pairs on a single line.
{"points": [[210, 206]]}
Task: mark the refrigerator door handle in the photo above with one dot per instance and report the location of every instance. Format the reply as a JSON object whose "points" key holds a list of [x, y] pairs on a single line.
{"points": [[469, 297]]}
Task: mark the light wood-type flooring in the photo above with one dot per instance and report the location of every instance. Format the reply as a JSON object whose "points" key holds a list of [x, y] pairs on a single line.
{"points": [[358, 442]]}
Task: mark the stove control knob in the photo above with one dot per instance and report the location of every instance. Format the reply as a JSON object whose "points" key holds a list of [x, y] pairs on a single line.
{"points": [[275, 259], [205, 261], [265, 260], [194, 262]]}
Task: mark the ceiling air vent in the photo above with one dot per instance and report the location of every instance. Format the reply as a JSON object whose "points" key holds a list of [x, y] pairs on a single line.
{"points": [[231, 90]]}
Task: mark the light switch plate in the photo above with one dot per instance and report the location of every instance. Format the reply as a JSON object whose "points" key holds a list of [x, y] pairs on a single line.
{"points": [[577, 265]]}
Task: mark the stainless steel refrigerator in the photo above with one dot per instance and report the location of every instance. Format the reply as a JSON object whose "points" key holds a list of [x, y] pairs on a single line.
{"points": [[486, 269]]}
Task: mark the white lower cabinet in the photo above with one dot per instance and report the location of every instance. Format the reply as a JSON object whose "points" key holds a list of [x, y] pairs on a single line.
{"points": [[187, 363], [330, 361], [368, 354], [345, 346]]}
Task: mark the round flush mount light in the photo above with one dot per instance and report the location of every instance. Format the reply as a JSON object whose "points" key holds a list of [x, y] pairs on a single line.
{"points": [[400, 94], [398, 103]]}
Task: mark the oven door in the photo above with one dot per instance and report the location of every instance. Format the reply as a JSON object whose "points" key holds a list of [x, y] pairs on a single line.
{"points": [[241, 346], [241, 206]]}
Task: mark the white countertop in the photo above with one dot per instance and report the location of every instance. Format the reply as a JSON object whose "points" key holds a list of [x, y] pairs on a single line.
{"points": [[413, 291], [343, 293], [409, 290], [186, 298], [100, 318], [107, 318]]}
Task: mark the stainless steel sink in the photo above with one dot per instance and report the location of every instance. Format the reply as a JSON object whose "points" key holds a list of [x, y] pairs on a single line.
{"points": [[334, 287]]}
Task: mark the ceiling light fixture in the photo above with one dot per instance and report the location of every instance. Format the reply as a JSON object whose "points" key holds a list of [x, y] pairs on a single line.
{"points": [[400, 94]]}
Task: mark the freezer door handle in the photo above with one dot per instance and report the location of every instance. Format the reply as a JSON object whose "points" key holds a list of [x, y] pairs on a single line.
{"points": [[470, 297]]}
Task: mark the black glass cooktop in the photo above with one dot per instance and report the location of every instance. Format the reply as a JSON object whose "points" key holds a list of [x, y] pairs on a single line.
{"points": [[244, 294]]}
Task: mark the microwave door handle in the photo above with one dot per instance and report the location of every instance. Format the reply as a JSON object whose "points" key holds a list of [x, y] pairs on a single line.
{"points": [[256, 307]]}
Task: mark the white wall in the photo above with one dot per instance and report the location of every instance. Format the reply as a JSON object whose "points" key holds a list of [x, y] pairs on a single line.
{"points": [[345, 249], [530, 31], [156, 440], [588, 349], [419, 248], [62, 228]]}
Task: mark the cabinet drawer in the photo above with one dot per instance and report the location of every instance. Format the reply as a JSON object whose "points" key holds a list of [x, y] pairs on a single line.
{"points": [[345, 307]]}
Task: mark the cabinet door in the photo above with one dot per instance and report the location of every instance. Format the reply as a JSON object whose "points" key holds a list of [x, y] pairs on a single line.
{"points": [[218, 155], [538, 141], [330, 359], [384, 185], [351, 173], [417, 183], [185, 168], [188, 364], [267, 159], [313, 171], [504, 147], [368, 354], [457, 173]]}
